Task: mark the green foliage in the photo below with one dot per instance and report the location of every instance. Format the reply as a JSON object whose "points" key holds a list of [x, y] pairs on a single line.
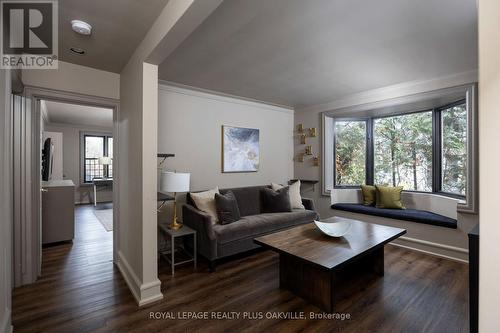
{"points": [[350, 145], [403, 151], [454, 151]]}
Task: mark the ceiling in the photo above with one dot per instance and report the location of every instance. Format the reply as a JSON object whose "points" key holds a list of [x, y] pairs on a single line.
{"points": [[73, 114], [118, 26], [300, 53]]}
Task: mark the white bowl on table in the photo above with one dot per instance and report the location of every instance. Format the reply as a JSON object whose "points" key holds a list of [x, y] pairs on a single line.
{"points": [[334, 227]]}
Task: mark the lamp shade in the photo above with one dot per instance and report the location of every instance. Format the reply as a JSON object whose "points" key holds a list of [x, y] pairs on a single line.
{"points": [[105, 160], [174, 182]]}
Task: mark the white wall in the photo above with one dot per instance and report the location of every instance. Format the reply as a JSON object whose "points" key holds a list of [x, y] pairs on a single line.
{"points": [[76, 79], [6, 216], [311, 117], [137, 194], [189, 126], [489, 136], [71, 160]]}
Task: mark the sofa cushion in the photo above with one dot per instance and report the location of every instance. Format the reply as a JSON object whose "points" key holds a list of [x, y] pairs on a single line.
{"points": [[227, 208], [276, 201], [413, 215], [369, 193], [248, 198], [255, 225], [294, 192], [205, 201], [389, 197]]}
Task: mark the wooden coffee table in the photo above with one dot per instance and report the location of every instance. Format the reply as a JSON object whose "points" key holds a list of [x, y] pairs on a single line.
{"points": [[318, 268]]}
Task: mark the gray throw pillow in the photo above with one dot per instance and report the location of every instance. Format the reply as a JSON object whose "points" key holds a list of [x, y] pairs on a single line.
{"points": [[276, 201], [227, 208]]}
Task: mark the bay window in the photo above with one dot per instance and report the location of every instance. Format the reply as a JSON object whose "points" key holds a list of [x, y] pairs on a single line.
{"points": [[423, 151]]}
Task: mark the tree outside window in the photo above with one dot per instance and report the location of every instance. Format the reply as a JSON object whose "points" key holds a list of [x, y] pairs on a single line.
{"points": [[350, 148], [454, 149], [403, 151]]}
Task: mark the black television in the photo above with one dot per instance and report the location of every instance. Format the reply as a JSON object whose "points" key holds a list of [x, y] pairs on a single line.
{"points": [[47, 159]]}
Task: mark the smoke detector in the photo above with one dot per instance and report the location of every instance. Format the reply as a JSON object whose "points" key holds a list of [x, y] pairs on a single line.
{"points": [[80, 27]]}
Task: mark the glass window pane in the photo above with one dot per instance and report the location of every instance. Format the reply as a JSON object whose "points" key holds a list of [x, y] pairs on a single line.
{"points": [[454, 149], [110, 147], [350, 153], [403, 151], [94, 146]]}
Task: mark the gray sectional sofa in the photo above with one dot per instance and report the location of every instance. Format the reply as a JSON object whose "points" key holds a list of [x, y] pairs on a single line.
{"points": [[217, 241]]}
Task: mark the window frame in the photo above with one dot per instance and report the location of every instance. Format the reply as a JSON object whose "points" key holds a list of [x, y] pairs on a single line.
{"points": [[367, 150], [432, 146], [83, 136], [436, 148], [438, 178]]}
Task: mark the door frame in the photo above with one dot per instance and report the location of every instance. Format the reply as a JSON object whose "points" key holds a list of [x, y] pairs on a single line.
{"points": [[33, 240]]}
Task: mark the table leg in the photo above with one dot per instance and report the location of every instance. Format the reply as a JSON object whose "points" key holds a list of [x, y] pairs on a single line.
{"points": [[321, 286], [95, 196], [306, 280], [172, 241]]}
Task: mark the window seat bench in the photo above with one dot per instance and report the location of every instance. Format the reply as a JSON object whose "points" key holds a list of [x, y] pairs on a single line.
{"points": [[413, 215]]}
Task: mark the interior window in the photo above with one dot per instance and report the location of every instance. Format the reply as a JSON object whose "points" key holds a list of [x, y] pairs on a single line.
{"points": [[454, 149], [403, 151], [110, 154], [350, 152], [95, 147]]}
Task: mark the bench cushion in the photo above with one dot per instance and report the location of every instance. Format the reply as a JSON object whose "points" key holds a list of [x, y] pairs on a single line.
{"points": [[414, 215]]}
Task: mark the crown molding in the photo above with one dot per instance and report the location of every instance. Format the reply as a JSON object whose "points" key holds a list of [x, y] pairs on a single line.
{"points": [[395, 91], [222, 97]]}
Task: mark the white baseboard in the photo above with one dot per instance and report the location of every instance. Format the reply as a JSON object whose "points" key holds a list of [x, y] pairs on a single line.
{"points": [[435, 249], [5, 322], [143, 293]]}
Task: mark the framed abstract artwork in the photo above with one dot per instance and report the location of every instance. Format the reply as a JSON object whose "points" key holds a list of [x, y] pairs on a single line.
{"points": [[240, 149]]}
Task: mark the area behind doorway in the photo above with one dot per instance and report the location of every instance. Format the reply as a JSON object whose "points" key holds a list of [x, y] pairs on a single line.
{"points": [[77, 162]]}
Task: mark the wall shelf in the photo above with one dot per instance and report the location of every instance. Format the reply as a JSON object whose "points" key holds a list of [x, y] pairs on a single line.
{"points": [[312, 182]]}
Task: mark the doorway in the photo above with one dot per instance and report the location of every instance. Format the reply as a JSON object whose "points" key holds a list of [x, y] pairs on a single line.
{"points": [[69, 149], [77, 160]]}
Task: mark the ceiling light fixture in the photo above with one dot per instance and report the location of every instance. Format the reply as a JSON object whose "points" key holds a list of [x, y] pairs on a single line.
{"points": [[77, 50], [83, 28]]}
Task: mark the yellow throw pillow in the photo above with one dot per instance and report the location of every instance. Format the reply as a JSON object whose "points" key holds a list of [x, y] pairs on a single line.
{"points": [[389, 197], [369, 195]]}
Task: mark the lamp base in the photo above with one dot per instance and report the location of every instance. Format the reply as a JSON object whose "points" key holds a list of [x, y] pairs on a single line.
{"points": [[175, 225]]}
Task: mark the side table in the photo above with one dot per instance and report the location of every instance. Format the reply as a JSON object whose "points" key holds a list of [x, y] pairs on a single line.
{"points": [[169, 255]]}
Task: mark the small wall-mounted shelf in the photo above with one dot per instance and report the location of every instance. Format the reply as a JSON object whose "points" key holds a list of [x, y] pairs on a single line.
{"points": [[305, 181]]}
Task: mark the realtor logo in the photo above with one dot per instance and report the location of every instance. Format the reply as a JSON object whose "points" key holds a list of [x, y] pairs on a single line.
{"points": [[29, 34]]}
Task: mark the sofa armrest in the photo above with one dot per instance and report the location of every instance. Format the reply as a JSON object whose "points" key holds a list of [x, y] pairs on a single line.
{"points": [[308, 204], [202, 223]]}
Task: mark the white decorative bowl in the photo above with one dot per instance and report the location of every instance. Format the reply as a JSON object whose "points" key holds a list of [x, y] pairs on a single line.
{"points": [[334, 229]]}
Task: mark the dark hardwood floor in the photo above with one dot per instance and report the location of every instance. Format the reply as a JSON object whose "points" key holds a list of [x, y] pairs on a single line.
{"points": [[82, 291]]}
